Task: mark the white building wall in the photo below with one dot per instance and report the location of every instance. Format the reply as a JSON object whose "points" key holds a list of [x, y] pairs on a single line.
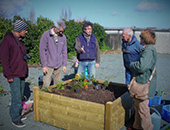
{"points": [[162, 40]]}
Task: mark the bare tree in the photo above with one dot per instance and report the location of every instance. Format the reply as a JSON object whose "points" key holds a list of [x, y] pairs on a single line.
{"points": [[69, 13], [66, 15], [32, 16], [62, 14], [79, 20]]}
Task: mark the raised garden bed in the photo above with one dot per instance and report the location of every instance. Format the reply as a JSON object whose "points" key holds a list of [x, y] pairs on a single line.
{"points": [[75, 114]]}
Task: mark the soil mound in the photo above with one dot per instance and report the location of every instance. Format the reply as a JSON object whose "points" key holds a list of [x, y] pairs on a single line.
{"points": [[100, 95]]}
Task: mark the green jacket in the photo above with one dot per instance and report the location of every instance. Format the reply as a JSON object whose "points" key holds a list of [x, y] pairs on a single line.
{"points": [[143, 68]]}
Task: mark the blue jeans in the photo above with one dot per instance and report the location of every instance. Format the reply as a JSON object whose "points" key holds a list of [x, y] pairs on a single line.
{"points": [[91, 69], [128, 74], [17, 91]]}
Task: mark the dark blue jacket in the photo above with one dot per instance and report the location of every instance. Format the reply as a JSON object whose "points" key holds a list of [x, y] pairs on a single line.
{"points": [[131, 51], [88, 47]]}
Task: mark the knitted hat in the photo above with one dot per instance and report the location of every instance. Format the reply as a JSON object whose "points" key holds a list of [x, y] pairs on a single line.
{"points": [[20, 26]]}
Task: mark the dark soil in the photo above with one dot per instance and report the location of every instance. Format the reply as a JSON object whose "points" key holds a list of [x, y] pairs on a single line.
{"points": [[100, 95]]}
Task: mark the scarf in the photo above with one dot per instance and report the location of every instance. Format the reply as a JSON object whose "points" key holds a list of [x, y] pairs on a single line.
{"points": [[54, 35]]}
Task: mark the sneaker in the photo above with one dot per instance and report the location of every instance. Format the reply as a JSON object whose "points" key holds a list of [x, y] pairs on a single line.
{"points": [[23, 118], [18, 124]]}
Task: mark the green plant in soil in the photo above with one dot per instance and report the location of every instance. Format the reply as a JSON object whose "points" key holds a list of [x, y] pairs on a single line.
{"points": [[88, 76], [76, 79], [46, 89], [59, 85], [106, 83], [160, 93], [82, 77], [85, 83], [93, 79], [77, 85], [1, 90]]}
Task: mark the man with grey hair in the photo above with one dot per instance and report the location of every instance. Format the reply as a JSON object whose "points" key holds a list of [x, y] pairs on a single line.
{"points": [[53, 53], [131, 48]]}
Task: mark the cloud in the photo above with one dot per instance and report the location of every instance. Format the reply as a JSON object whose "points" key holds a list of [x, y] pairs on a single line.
{"points": [[115, 13], [12, 7], [100, 11], [146, 6]]}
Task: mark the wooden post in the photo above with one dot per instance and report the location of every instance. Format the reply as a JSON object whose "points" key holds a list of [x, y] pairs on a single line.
{"points": [[108, 115], [36, 100]]}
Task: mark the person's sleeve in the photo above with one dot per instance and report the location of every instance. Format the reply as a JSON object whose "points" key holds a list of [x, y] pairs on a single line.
{"points": [[5, 58], [139, 47], [78, 45], [43, 51], [64, 53], [122, 46], [97, 51], [144, 62]]}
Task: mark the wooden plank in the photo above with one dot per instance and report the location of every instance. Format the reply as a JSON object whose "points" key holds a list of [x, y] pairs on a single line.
{"points": [[70, 102], [60, 121], [115, 113], [85, 115], [117, 84], [108, 120], [118, 113], [53, 86], [69, 111], [36, 100]]}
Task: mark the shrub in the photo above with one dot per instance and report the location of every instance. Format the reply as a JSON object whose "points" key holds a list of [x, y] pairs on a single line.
{"points": [[99, 32], [73, 29], [35, 31]]}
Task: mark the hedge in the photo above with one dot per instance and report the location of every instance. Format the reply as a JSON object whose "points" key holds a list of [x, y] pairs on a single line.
{"points": [[42, 24]]}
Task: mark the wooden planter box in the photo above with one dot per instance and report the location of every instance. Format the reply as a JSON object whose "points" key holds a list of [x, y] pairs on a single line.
{"points": [[75, 114]]}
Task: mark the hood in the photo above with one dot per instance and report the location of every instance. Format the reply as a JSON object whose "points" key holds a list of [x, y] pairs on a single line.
{"points": [[134, 39], [9, 34]]}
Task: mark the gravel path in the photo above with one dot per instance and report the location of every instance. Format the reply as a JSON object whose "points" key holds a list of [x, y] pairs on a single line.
{"points": [[111, 69]]}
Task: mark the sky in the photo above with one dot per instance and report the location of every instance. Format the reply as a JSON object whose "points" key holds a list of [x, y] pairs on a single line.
{"points": [[107, 13]]}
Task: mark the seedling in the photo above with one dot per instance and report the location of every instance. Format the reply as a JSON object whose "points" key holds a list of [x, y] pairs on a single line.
{"points": [[77, 78], [82, 77], [1, 90], [85, 84], [160, 93], [106, 83], [93, 79], [59, 85], [46, 89]]}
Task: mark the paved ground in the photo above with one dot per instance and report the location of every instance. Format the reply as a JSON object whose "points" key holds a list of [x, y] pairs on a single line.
{"points": [[111, 69]]}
